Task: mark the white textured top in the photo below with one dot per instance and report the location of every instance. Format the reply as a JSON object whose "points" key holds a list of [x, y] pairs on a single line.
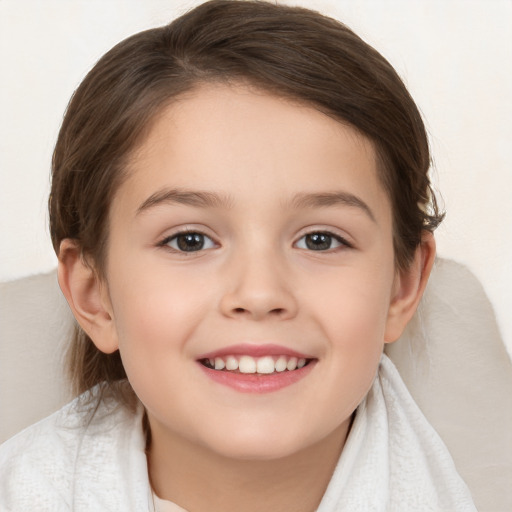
{"points": [[82, 459]]}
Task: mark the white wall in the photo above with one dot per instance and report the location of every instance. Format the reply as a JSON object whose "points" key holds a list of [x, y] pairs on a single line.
{"points": [[454, 55]]}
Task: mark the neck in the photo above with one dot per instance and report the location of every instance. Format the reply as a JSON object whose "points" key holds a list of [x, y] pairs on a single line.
{"points": [[198, 479]]}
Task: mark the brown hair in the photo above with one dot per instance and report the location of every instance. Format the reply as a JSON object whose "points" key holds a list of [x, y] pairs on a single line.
{"points": [[288, 51]]}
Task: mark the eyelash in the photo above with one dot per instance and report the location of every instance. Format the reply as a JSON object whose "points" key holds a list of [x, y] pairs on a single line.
{"points": [[167, 240], [165, 243], [343, 243]]}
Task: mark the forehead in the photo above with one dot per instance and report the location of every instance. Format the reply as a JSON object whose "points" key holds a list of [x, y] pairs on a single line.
{"points": [[243, 141]]}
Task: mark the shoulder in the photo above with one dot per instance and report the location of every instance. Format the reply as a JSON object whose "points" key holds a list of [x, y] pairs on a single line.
{"points": [[39, 459], [41, 464]]}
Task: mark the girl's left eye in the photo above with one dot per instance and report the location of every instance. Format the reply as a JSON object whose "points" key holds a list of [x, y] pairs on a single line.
{"points": [[189, 242], [321, 241]]}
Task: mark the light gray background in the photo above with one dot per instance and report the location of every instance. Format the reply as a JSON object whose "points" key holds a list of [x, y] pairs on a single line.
{"points": [[454, 55]]}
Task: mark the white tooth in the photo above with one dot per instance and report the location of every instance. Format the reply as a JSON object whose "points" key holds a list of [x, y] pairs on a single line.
{"points": [[212, 362], [301, 362], [280, 364], [292, 364], [231, 363], [247, 364], [219, 363], [265, 364]]}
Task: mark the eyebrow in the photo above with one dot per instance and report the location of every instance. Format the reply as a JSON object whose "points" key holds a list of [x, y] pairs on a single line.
{"points": [[204, 199], [326, 199], [195, 198]]}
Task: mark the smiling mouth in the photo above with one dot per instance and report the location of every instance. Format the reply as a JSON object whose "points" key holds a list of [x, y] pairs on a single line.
{"points": [[265, 365]]}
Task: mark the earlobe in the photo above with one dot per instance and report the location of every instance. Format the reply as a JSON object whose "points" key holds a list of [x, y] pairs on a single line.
{"points": [[409, 287], [87, 296]]}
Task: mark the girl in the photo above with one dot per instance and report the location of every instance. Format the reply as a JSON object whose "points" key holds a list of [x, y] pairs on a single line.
{"points": [[243, 218]]}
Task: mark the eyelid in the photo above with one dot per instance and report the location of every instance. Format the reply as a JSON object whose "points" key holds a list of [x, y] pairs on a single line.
{"points": [[164, 242], [333, 233], [343, 240]]}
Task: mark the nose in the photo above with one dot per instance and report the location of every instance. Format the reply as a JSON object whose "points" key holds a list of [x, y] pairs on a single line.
{"points": [[258, 287]]}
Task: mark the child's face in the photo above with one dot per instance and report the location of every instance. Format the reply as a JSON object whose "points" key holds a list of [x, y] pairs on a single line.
{"points": [[292, 253]]}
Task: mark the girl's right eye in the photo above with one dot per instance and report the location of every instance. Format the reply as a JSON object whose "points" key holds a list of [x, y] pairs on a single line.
{"points": [[189, 241]]}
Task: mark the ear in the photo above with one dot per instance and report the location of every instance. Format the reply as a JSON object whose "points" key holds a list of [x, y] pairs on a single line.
{"points": [[409, 287], [87, 296]]}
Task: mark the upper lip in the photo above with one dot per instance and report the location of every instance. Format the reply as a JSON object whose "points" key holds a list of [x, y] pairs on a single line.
{"points": [[253, 350]]}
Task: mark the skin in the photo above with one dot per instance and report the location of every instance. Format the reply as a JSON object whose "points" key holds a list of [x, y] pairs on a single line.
{"points": [[256, 282]]}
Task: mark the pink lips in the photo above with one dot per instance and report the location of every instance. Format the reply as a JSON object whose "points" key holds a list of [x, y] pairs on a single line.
{"points": [[254, 351], [256, 383]]}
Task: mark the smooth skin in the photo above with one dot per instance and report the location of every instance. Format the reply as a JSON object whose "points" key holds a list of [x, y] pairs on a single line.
{"points": [[288, 240]]}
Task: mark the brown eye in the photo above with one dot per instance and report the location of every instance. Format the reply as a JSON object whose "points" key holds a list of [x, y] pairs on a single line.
{"points": [[318, 241], [189, 242], [321, 241]]}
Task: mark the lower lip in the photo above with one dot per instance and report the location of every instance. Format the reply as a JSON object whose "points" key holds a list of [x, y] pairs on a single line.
{"points": [[257, 382]]}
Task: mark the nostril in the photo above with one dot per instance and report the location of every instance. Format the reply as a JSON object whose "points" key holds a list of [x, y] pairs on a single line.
{"points": [[275, 311]]}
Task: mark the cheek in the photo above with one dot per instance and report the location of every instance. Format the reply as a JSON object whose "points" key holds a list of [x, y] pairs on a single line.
{"points": [[351, 309], [352, 304], [155, 315]]}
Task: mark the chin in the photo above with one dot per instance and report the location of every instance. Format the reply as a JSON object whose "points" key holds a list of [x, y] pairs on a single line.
{"points": [[257, 443], [261, 451]]}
